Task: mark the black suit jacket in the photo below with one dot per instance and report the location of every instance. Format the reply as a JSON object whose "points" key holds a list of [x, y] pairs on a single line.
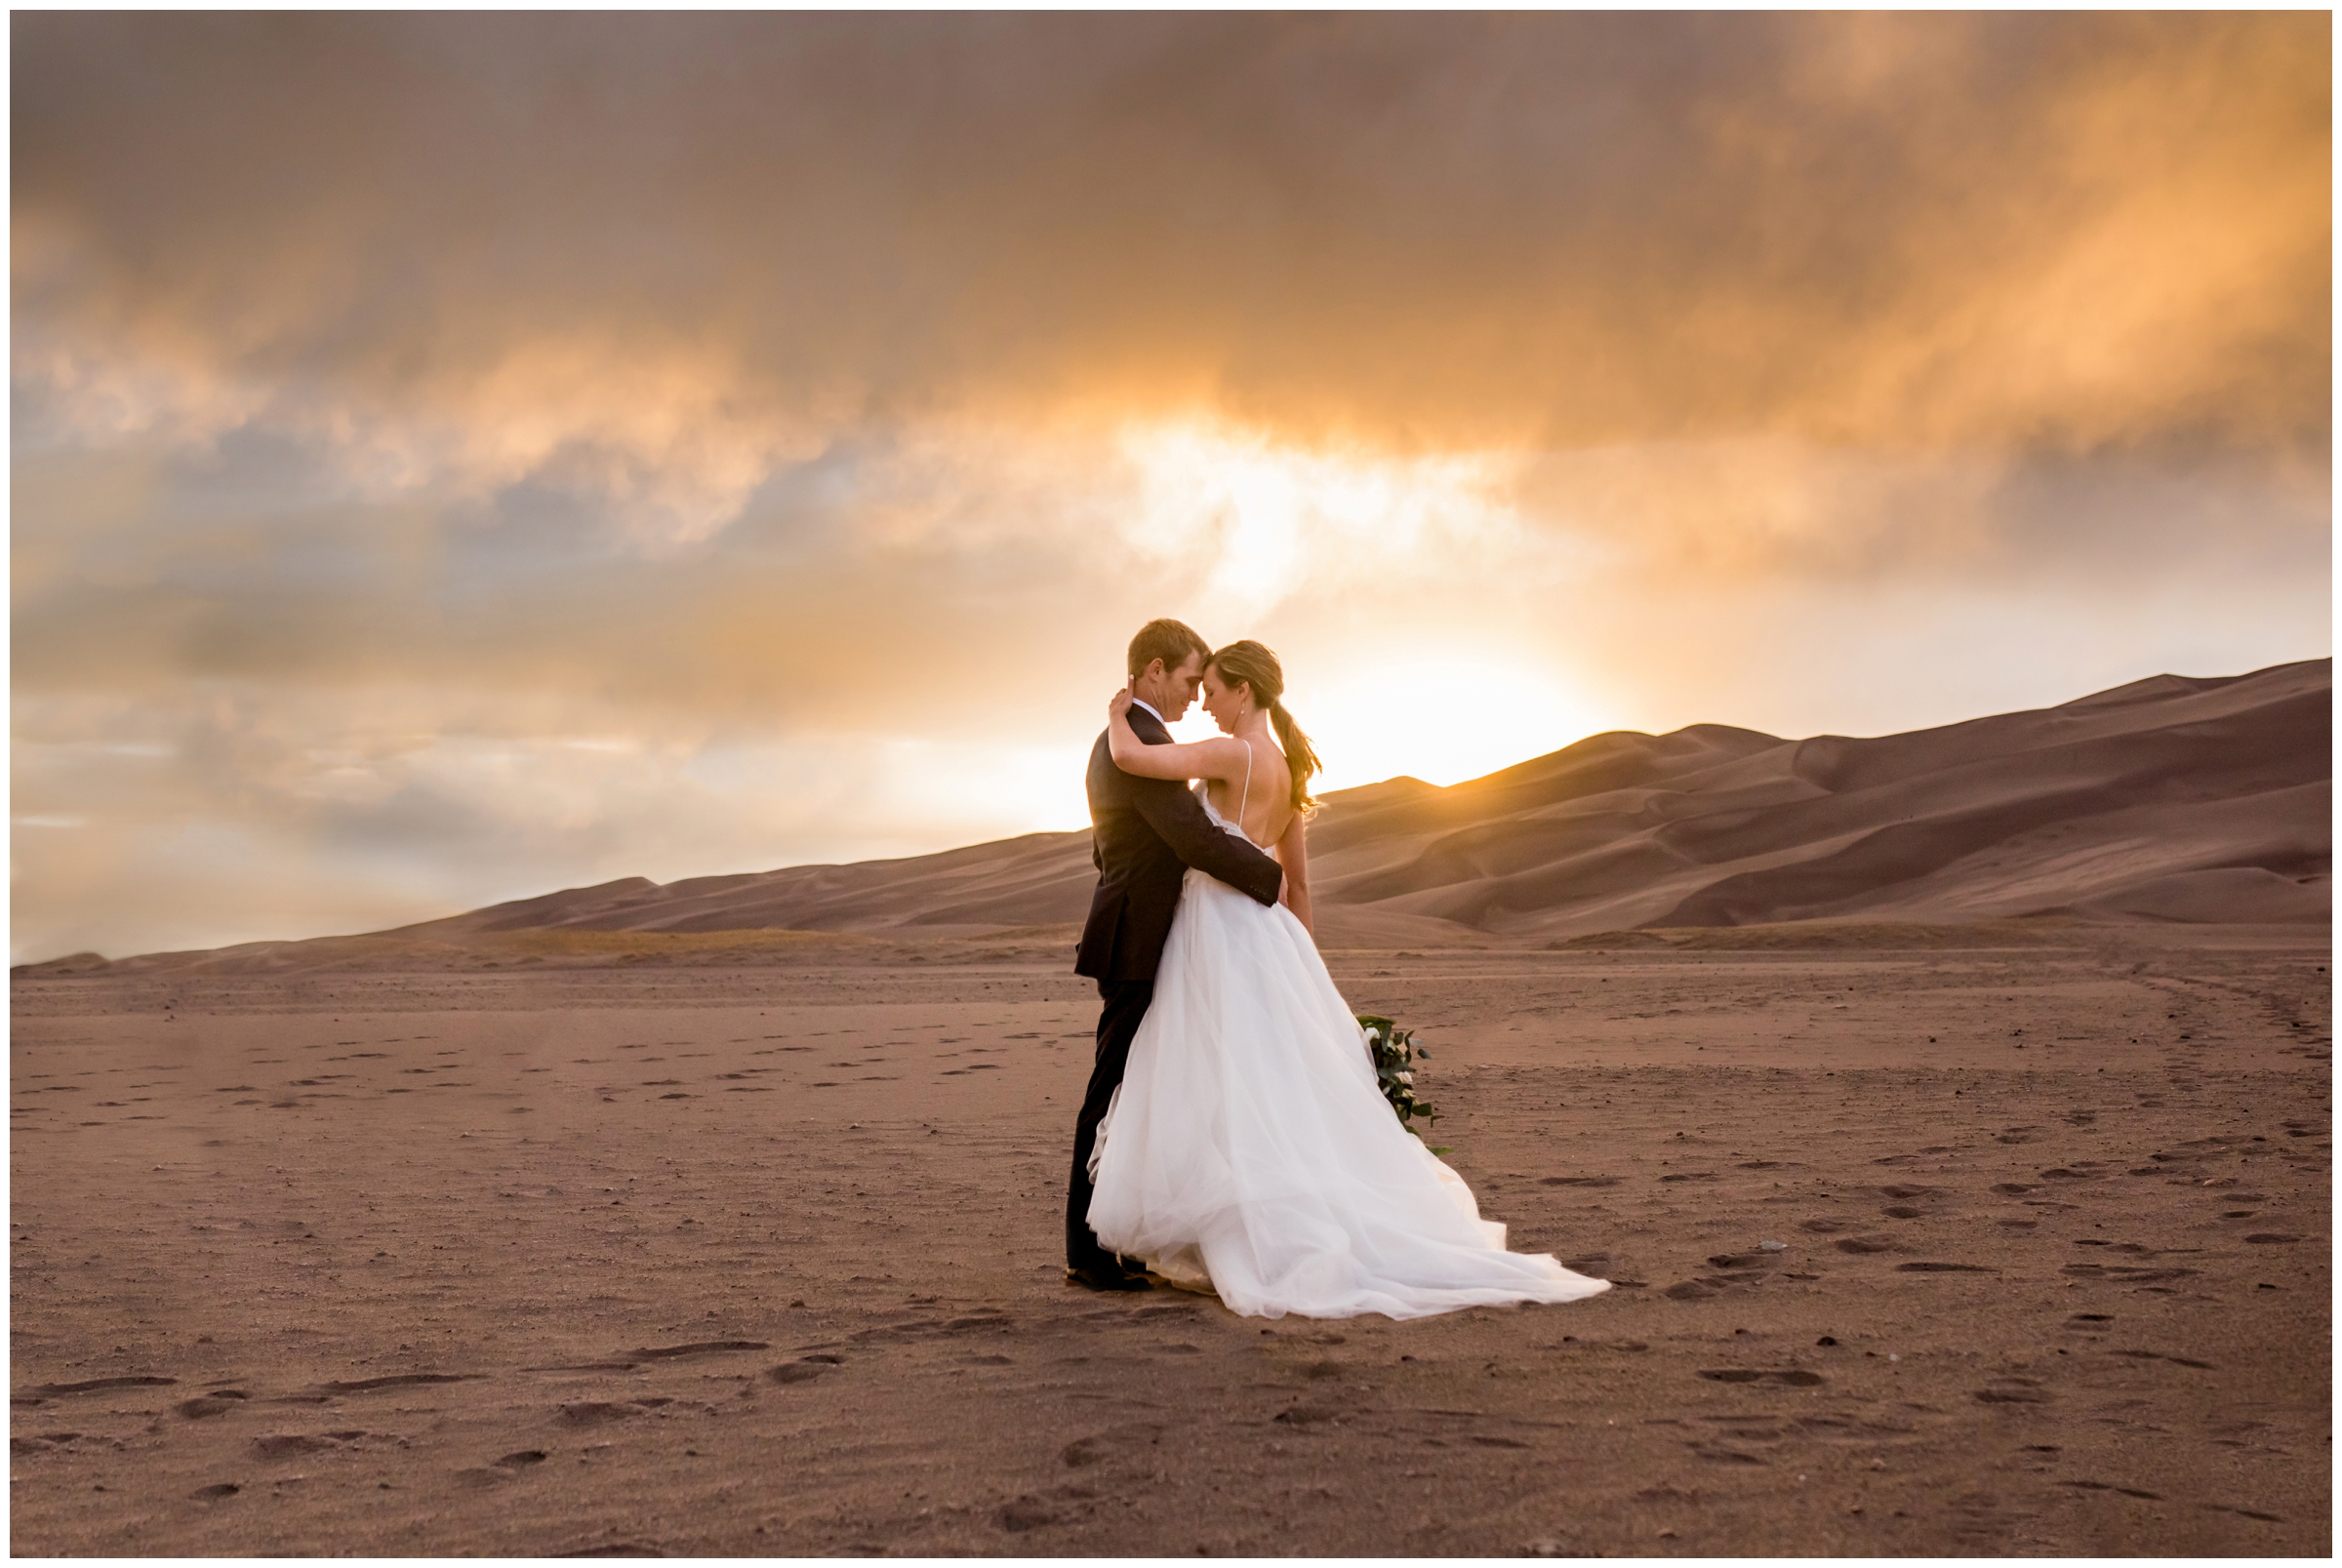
{"points": [[1145, 833]]}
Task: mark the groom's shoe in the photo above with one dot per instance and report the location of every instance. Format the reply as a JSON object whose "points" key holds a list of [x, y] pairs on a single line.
{"points": [[1095, 1278]]}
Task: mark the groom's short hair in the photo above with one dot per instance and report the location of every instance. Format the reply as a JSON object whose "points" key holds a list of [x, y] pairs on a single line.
{"points": [[1168, 640]]}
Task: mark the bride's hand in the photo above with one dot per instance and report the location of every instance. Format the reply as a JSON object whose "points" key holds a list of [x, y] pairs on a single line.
{"points": [[1118, 704]]}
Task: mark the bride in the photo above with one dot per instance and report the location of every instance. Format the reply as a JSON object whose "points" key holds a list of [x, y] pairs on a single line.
{"points": [[1250, 1151]]}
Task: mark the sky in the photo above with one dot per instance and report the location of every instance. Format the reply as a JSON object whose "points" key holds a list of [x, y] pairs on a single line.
{"points": [[454, 457]]}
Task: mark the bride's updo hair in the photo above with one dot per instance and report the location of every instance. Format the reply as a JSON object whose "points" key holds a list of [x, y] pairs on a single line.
{"points": [[1249, 664]]}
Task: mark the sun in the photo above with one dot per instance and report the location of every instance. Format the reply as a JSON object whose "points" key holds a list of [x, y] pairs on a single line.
{"points": [[1441, 717], [1255, 529]]}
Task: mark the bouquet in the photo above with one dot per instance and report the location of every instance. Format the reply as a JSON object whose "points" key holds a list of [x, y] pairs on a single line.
{"points": [[1394, 1052]]}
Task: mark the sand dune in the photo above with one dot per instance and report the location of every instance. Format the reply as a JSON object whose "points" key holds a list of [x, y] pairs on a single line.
{"points": [[2168, 799]]}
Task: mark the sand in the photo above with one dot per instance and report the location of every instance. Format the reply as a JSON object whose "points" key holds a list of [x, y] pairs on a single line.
{"points": [[763, 1257]]}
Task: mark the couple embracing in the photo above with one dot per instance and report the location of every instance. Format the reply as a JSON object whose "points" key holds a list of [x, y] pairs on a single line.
{"points": [[1233, 1138]]}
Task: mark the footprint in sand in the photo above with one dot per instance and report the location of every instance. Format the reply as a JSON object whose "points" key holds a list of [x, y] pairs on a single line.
{"points": [[668, 1352], [501, 1470], [1309, 1415], [2013, 1391], [1025, 1514], [2158, 1355], [804, 1369], [400, 1380], [2126, 1491], [1114, 1442], [52, 1390], [1719, 1454], [1908, 1197]]}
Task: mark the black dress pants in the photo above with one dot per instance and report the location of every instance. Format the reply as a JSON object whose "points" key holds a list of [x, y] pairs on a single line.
{"points": [[1126, 1002]]}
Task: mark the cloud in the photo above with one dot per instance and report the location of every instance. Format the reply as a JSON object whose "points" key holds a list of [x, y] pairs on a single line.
{"points": [[459, 453], [688, 242]]}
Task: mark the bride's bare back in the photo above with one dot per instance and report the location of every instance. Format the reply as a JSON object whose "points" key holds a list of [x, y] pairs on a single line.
{"points": [[1260, 803]]}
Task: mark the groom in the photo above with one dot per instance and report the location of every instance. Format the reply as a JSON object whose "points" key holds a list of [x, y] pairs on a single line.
{"points": [[1145, 832]]}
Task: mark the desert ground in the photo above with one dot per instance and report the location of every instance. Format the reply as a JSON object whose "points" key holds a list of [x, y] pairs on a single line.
{"points": [[763, 1257]]}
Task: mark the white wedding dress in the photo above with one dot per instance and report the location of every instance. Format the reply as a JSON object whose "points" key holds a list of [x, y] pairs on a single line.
{"points": [[1249, 1151]]}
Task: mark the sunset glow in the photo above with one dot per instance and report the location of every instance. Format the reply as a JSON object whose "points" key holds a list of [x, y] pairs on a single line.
{"points": [[1439, 717], [1266, 521], [549, 448]]}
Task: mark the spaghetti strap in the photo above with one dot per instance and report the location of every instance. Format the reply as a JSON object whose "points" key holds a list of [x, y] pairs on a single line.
{"points": [[1246, 798]]}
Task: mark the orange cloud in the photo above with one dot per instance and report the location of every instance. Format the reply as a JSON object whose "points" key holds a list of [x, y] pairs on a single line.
{"points": [[1998, 230], [802, 409]]}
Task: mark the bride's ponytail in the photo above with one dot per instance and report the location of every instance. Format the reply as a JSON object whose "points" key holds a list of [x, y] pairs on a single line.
{"points": [[1254, 665], [1300, 755]]}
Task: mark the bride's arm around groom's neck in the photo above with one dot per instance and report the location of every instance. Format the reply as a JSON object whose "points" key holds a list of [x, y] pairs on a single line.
{"points": [[1215, 758]]}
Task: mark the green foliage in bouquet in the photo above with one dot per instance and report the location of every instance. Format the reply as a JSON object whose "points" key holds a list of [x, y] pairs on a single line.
{"points": [[1394, 1052]]}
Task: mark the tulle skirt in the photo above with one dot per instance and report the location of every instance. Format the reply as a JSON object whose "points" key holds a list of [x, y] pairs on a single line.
{"points": [[1250, 1151]]}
